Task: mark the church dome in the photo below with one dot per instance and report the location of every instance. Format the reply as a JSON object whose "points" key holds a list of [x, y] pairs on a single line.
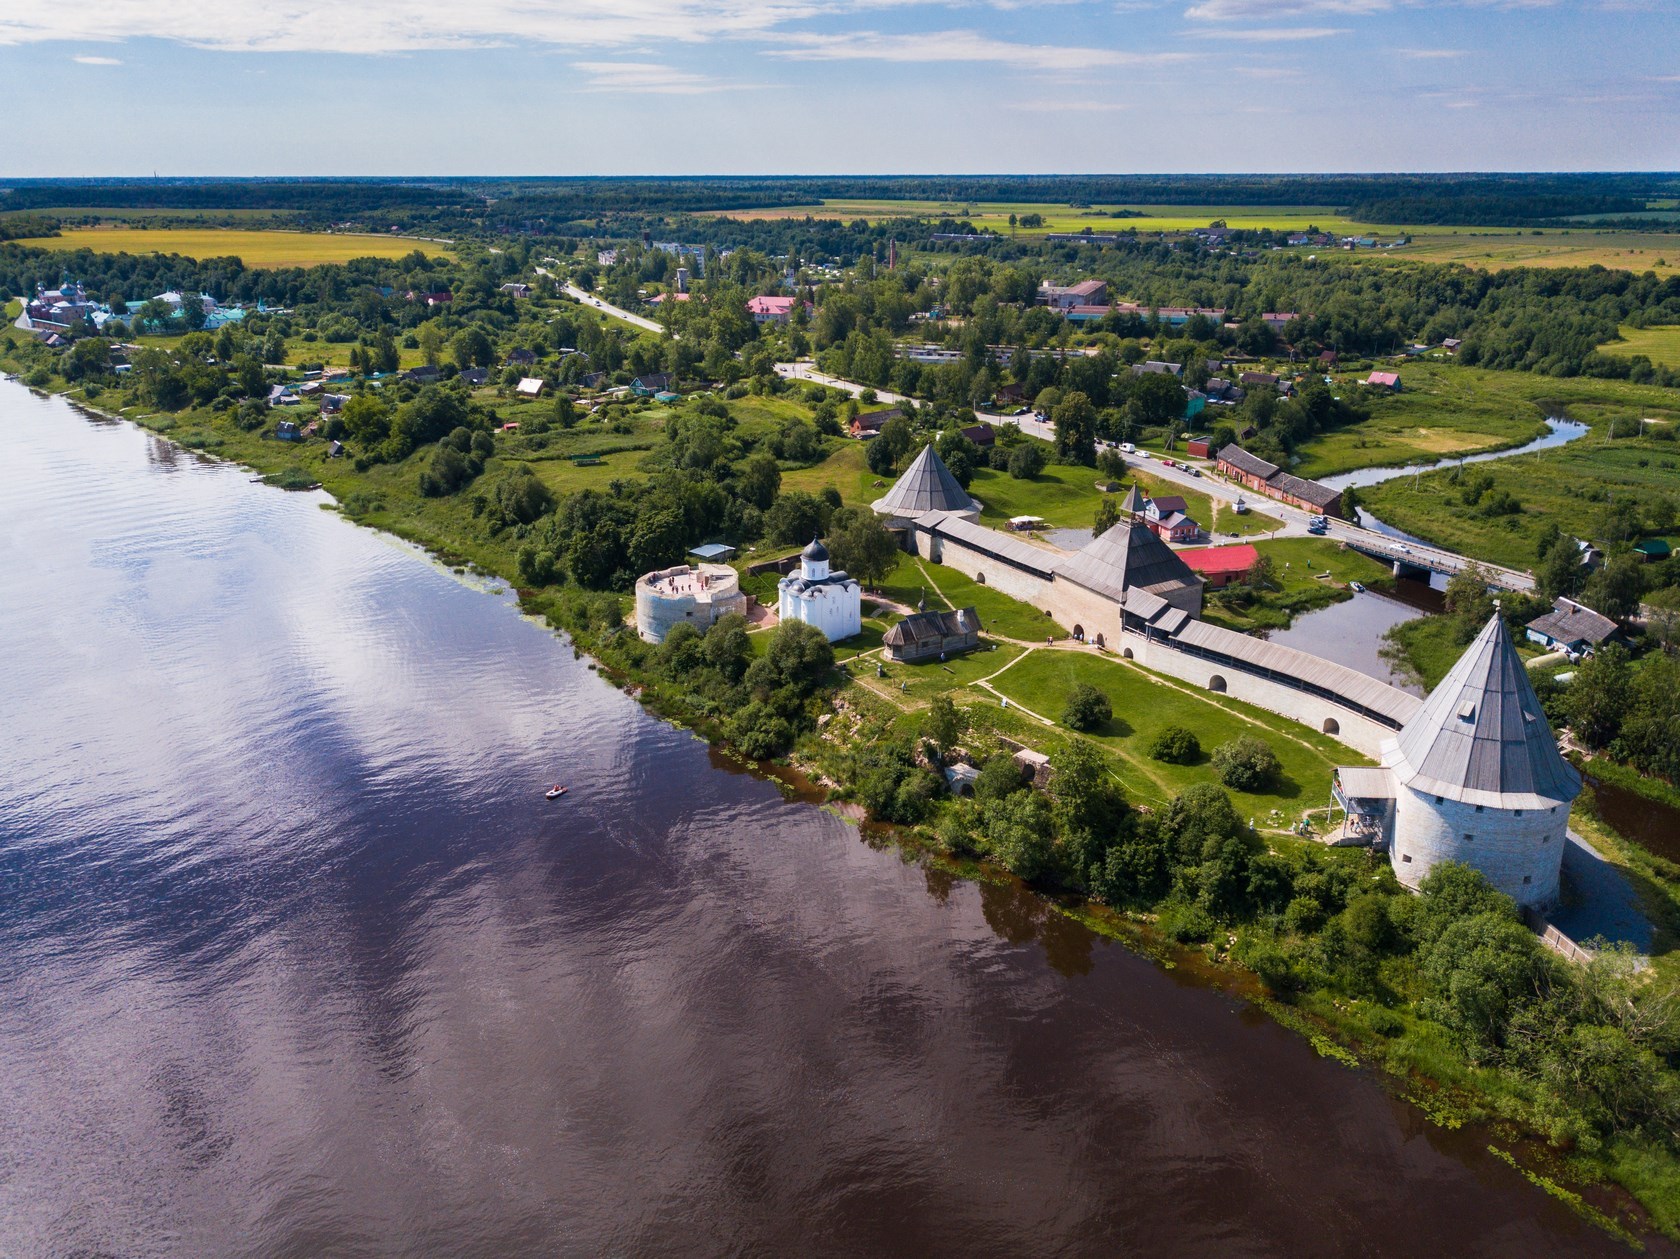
{"points": [[816, 551]]}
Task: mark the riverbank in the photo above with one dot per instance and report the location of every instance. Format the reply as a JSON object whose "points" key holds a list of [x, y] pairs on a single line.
{"points": [[1395, 1038]]}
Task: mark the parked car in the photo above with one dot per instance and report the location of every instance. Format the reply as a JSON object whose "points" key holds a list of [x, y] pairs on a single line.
{"points": [[1128, 448], [1193, 471]]}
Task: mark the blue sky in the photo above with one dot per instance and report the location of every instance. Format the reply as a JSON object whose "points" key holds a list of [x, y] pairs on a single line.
{"points": [[249, 87]]}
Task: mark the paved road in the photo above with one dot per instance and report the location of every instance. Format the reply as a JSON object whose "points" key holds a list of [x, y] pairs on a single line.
{"points": [[803, 370], [589, 299]]}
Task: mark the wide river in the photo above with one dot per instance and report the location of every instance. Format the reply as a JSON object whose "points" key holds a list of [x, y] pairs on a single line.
{"points": [[295, 960]]}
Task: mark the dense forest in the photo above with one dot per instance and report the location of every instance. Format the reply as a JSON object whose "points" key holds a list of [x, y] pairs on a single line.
{"points": [[1474, 199]]}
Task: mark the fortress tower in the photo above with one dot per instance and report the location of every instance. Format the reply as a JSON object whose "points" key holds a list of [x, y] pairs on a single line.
{"points": [[1475, 777]]}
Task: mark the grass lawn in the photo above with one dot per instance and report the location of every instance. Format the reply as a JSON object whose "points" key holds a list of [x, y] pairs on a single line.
{"points": [[1145, 704], [253, 248], [1660, 345], [916, 684], [846, 471], [999, 614], [1066, 497]]}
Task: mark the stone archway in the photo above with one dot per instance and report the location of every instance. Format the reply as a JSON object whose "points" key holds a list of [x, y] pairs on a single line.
{"points": [[1100, 642], [979, 579], [1126, 653], [1216, 683], [1331, 726], [1078, 633]]}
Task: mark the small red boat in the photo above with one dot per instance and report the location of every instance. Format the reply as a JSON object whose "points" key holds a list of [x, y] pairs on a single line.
{"points": [[554, 792]]}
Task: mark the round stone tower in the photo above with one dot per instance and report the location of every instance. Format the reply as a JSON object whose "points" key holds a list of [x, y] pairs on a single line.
{"points": [[1478, 778]]}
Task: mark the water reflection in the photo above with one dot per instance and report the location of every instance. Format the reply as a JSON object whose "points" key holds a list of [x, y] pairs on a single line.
{"points": [[296, 960]]}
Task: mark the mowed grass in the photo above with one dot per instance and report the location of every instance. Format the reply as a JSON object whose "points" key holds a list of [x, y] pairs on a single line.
{"points": [[253, 248], [1443, 410], [1145, 704], [1660, 345], [1066, 497]]}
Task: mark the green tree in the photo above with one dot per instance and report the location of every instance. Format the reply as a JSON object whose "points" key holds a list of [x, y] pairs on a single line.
{"points": [[878, 455], [1600, 696], [1176, 746], [471, 348], [859, 543], [430, 337], [1018, 831], [1108, 515], [1026, 461], [1087, 708], [999, 776], [1616, 588], [943, 724], [1076, 429], [758, 480], [1246, 763]]}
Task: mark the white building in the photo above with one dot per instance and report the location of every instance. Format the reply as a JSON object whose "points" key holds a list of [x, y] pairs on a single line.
{"points": [[1475, 777], [833, 602]]}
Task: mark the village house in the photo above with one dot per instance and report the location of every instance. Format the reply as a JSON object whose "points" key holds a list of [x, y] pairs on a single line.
{"points": [[981, 435], [1384, 380], [773, 310], [869, 423], [1572, 627], [531, 387], [521, 358], [517, 290], [1154, 368], [425, 374], [476, 375]]}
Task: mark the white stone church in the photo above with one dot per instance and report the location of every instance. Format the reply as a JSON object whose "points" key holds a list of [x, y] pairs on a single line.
{"points": [[833, 602]]}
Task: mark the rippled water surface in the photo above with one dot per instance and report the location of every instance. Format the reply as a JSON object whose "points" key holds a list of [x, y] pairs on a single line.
{"points": [[296, 960]]}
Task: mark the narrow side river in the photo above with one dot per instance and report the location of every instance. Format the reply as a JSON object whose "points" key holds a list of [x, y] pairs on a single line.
{"points": [[295, 960]]}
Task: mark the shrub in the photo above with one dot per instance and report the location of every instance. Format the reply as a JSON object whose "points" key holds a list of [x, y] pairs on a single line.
{"points": [[1087, 709], [1026, 461], [1246, 764], [1176, 746]]}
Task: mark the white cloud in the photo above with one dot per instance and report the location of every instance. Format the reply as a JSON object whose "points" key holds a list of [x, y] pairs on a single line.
{"points": [[96, 61], [1431, 54], [650, 77], [388, 26], [1276, 34], [956, 46], [1262, 10]]}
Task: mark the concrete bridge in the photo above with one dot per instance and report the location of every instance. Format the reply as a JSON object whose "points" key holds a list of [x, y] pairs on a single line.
{"points": [[1413, 559]]}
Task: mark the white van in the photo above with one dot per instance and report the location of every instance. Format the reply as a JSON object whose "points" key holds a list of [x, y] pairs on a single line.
{"points": [[1128, 448]]}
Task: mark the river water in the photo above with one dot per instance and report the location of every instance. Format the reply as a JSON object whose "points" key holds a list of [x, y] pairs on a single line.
{"points": [[1561, 432], [295, 960]]}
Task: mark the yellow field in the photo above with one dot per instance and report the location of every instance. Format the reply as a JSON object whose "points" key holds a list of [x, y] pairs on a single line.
{"points": [[1494, 249], [254, 248], [1660, 345], [1065, 218]]}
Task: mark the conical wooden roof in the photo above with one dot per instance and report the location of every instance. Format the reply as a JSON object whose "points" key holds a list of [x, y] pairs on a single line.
{"points": [[1127, 556], [1482, 738], [1133, 502], [927, 485]]}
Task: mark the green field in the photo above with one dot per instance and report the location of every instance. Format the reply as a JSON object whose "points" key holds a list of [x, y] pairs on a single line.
{"points": [[1146, 703], [254, 248], [1442, 411], [1566, 485], [1494, 249], [1660, 345]]}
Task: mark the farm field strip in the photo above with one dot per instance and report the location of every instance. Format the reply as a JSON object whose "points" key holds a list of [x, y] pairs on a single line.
{"points": [[257, 248]]}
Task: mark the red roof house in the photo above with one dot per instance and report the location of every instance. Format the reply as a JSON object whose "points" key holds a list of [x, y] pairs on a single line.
{"points": [[1221, 565]]}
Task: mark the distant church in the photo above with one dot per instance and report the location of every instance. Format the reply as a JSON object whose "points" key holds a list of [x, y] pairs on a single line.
{"points": [[833, 602]]}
